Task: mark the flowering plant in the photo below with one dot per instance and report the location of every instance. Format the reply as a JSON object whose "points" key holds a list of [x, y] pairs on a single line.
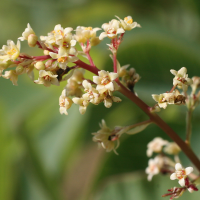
{"points": [[61, 62]]}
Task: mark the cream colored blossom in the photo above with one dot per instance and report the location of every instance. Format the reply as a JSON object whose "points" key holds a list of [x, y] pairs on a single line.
{"points": [[86, 33], [47, 78], [91, 93], [64, 56], [28, 31], [128, 24], [195, 84], [108, 99], [73, 88], [172, 148], [59, 36], [181, 78], [82, 102], [12, 75], [112, 29], [105, 81], [156, 146], [10, 51], [181, 173], [154, 166], [169, 98], [107, 138], [64, 102]]}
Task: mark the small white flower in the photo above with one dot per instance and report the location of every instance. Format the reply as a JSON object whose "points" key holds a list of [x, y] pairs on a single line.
{"points": [[154, 166], [64, 102], [156, 146], [172, 148], [73, 88], [107, 138], [12, 75], [181, 173], [128, 24], [47, 78], [85, 33], [195, 84], [64, 56], [112, 29], [10, 51], [82, 102], [181, 78], [105, 81], [28, 31]]}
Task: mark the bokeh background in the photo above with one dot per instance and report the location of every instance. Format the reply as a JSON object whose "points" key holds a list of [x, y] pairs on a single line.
{"points": [[48, 156]]}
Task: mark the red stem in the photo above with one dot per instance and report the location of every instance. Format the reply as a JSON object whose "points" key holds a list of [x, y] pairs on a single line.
{"points": [[159, 122]]}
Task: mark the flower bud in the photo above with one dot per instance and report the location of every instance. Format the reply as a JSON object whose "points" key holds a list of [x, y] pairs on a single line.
{"points": [[46, 52], [32, 40], [39, 65], [19, 69], [94, 41]]}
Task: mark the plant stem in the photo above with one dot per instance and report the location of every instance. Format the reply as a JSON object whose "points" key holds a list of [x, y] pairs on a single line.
{"points": [[141, 123], [188, 126], [159, 122], [153, 116]]}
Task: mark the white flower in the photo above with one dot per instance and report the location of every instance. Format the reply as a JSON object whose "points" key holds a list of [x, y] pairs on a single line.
{"points": [[181, 78], [195, 84], [107, 138], [105, 81], [10, 52], [112, 29], [73, 88], [128, 24], [154, 166], [85, 33], [108, 99], [91, 93], [181, 173], [82, 102], [64, 56], [12, 75], [60, 37], [47, 78], [64, 102], [28, 31], [172, 148], [156, 146], [169, 98]]}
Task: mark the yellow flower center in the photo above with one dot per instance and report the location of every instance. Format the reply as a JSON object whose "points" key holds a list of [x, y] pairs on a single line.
{"points": [[62, 59], [58, 32], [62, 103], [11, 52], [128, 21]]}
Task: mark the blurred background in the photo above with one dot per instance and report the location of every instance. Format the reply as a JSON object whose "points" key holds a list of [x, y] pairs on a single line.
{"points": [[48, 156]]}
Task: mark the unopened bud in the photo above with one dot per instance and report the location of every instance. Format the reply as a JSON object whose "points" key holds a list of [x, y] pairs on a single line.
{"points": [[40, 65], [32, 40], [19, 70], [94, 41], [46, 52]]}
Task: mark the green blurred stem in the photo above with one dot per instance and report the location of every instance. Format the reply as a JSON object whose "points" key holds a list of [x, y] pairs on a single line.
{"points": [[141, 123], [153, 116], [38, 167], [188, 126]]}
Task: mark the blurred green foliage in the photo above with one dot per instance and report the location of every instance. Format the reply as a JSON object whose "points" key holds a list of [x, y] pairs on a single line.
{"points": [[47, 156]]}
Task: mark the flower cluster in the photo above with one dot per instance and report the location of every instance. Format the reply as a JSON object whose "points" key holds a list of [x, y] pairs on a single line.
{"points": [[181, 81], [59, 47], [161, 163]]}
